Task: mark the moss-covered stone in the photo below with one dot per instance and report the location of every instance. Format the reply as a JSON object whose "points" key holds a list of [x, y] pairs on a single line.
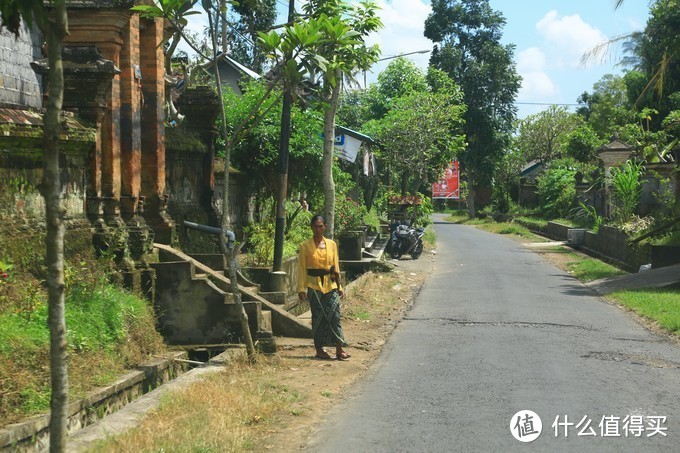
{"points": [[180, 139]]}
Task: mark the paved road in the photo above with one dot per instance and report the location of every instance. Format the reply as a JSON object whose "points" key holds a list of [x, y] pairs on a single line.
{"points": [[496, 330]]}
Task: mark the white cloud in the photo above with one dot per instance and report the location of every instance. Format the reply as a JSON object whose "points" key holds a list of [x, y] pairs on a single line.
{"points": [[567, 38], [532, 59], [402, 32], [536, 83]]}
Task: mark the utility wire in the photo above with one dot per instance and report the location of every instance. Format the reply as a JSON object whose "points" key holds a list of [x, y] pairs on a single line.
{"points": [[543, 103]]}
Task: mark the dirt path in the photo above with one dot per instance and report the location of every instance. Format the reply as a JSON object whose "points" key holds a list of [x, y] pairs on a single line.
{"points": [[373, 306]]}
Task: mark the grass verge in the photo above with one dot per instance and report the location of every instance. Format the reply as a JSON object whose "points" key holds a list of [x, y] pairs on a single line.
{"points": [[227, 411], [659, 305], [590, 269], [109, 330]]}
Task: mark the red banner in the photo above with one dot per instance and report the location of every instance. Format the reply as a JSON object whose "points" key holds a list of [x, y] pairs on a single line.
{"points": [[447, 187]]}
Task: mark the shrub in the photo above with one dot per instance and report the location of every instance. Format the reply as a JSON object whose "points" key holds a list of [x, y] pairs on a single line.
{"points": [[349, 215], [626, 189], [261, 234], [557, 191], [420, 213]]}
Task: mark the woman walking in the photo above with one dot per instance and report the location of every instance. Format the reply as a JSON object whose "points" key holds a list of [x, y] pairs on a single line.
{"points": [[319, 280]]}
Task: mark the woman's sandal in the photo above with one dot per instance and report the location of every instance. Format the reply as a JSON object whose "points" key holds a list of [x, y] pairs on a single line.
{"points": [[342, 356]]}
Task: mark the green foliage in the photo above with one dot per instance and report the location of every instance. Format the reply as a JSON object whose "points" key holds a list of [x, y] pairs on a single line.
{"points": [[626, 187], [607, 107], [587, 215], [260, 243], [542, 135], [258, 153], [421, 213], [261, 234], [418, 158], [590, 269], [556, 190], [660, 305], [582, 143], [467, 37], [349, 216], [670, 238], [371, 220], [102, 320]]}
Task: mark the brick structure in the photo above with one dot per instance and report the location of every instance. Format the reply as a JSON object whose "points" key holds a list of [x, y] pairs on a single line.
{"points": [[132, 162]]}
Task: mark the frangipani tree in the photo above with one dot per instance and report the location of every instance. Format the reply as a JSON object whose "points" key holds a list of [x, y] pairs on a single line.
{"points": [[344, 29], [422, 132]]}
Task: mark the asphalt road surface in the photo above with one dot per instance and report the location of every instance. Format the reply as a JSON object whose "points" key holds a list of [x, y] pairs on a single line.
{"points": [[497, 331]]}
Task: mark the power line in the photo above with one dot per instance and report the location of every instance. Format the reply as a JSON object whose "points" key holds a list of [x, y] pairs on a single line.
{"points": [[543, 103]]}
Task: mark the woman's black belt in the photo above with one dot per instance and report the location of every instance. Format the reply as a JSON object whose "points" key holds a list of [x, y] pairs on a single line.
{"points": [[318, 272], [315, 272]]}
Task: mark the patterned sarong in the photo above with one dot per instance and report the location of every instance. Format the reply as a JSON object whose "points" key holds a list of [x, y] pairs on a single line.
{"points": [[326, 318]]}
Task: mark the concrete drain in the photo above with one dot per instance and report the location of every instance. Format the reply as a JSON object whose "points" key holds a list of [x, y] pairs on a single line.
{"points": [[634, 359]]}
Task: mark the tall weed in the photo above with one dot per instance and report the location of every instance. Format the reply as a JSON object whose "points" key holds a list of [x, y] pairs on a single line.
{"points": [[626, 187]]}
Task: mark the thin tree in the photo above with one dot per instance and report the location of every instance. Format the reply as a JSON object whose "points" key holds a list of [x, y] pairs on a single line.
{"points": [[345, 29], [54, 27]]}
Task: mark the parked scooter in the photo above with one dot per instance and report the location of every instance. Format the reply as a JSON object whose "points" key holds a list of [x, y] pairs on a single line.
{"points": [[406, 240]]}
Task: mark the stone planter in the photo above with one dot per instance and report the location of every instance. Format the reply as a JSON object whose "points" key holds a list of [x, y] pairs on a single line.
{"points": [[665, 255], [351, 245]]}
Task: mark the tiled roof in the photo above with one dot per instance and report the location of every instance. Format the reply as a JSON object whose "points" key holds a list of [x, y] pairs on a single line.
{"points": [[34, 118]]}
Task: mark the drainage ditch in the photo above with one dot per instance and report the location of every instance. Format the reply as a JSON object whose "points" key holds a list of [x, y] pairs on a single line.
{"points": [[32, 434]]}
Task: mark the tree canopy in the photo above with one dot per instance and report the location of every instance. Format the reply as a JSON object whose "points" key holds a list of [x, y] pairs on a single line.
{"points": [[467, 37]]}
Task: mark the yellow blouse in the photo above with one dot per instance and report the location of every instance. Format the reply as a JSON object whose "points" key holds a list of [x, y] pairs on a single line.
{"points": [[312, 257]]}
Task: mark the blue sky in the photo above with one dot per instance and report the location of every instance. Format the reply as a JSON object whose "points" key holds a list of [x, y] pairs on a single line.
{"points": [[550, 37]]}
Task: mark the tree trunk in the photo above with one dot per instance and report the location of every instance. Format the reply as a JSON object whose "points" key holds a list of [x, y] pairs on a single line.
{"points": [[54, 240], [229, 250], [404, 183], [328, 154], [471, 197]]}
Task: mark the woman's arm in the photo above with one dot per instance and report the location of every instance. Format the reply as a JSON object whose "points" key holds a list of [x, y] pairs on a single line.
{"points": [[302, 272], [336, 263]]}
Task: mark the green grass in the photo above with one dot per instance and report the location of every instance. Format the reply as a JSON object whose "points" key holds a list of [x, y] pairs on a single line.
{"points": [[508, 229], [108, 329], [661, 305], [430, 237], [589, 269], [539, 222], [361, 315]]}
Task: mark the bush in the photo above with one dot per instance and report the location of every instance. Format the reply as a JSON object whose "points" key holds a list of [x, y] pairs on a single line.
{"points": [[557, 191], [626, 189], [421, 213], [261, 234], [109, 329], [349, 215]]}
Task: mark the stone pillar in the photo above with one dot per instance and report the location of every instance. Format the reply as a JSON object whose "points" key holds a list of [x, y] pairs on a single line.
{"points": [[105, 29], [153, 130], [87, 82], [130, 117], [201, 107]]}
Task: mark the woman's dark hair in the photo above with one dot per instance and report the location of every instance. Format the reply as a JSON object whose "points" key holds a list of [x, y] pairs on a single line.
{"points": [[317, 217]]}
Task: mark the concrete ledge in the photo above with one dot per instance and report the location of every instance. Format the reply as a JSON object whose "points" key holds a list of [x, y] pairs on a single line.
{"points": [[33, 433], [130, 416], [654, 278]]}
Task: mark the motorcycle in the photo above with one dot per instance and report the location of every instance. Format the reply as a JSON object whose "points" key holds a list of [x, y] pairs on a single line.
{"points": [[406, 240]]}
